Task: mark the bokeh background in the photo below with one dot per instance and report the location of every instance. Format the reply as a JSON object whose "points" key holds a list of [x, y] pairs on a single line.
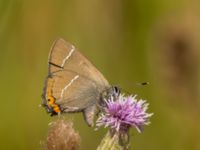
{"points": [[129, 42]]}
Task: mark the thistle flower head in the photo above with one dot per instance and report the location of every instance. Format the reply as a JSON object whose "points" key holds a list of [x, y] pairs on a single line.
{"points": [[61, 135], [123, 113]]}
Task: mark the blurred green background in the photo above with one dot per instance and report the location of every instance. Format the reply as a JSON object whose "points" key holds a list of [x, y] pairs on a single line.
{"points": [[129, 42]]}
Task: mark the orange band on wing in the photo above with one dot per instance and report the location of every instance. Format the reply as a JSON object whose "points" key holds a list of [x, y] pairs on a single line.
{"points": [[51, 100]]}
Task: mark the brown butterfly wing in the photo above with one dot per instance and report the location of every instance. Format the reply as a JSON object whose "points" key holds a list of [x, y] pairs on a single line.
{"points": [[74, 92], [77, 84], [66, 56]]}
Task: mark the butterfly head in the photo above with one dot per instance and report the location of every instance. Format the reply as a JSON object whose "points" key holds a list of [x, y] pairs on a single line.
{"points": [[113, 91]]}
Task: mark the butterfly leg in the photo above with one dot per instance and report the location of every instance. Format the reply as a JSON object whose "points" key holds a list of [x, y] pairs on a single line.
{"points": [[89, 114]]}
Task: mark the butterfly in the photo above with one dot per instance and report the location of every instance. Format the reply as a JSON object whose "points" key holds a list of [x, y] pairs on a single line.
{"points": [[74, 84]]}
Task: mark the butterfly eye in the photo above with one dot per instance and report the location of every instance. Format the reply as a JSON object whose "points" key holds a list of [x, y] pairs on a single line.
{"points": [[116, 89]]}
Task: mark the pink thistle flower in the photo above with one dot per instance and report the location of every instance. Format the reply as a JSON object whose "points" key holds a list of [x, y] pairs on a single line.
{"points": [[123, 113]]}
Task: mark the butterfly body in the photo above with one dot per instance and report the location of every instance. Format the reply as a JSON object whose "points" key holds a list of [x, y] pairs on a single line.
{"points": [[73, 84]]}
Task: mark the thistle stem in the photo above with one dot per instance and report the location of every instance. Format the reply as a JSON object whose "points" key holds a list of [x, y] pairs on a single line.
{"points": [[110, 142]]}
